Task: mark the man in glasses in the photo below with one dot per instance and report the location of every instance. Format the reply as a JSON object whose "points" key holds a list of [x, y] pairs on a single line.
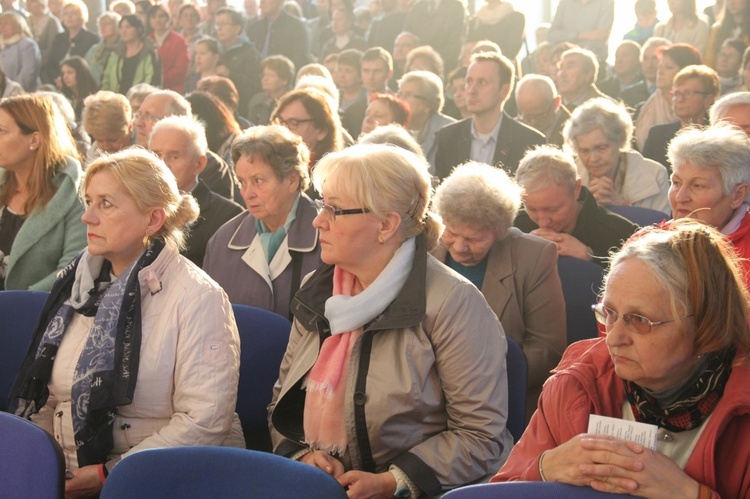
{"points": [[694, 91], [540, 106]]}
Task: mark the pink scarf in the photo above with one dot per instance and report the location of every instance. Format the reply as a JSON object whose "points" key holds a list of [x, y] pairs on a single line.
{"points": [[324, 423]]}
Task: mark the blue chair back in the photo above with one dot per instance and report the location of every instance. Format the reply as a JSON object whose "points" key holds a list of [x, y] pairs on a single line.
{"points": [[537, 490], [517, 372], [19, 313], [264, 336], [201, 472], [638, 215], [581, 282], [31, 462]]}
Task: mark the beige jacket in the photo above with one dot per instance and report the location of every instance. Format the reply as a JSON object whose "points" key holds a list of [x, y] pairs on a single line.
{"points": [[188, 372], [427, 386]]}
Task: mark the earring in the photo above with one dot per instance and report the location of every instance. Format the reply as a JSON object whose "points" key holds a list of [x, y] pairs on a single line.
{"points": [[380, 240], [147, 240]]}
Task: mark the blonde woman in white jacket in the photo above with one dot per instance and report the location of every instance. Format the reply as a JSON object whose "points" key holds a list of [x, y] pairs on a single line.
{"points": [[137, 348]]}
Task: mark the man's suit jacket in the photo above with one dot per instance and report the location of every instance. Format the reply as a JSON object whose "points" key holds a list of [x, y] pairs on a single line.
{"points": [[514, 139], [657, 142], [215, 212]]}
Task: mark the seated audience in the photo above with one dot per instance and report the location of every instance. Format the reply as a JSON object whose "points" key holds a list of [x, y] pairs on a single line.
{"points": [[40, 211], [695, 89], [394, 135], [674, 356], [385, 109], [733, 21], [205, 60], [711, 183], [221, 127], [80, 137], [260, 257], [729, 64], [685, 25], [600, 133], [82, 380], [425, 58], [97, 55], [423, 91], [576, 78], [657, 109], [74, 40], [134, 60], [397, 320], [349, 78], [558, 208], [180, 141], [516, 272], [627, 73], [344, 37], [635, 96], [19, 56], [223, 89], [733, 109], [44, 26], [540, 107], [107, 117], [238, 54]]}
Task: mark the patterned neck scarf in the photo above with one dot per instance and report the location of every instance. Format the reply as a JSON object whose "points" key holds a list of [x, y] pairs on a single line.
{"points": [[693, 406], [106, 372]]}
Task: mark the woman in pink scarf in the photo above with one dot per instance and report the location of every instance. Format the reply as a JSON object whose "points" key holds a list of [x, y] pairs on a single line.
{"points": [[394, 379]]}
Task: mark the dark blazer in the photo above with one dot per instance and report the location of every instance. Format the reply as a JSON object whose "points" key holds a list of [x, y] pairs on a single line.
{"points": [[635, 95], [443, 28], [219, 177], [63, 46], [289, 37], [555, 137], [353, 116], [513, 140], [385, 29], [215, 212], [657, 142]]}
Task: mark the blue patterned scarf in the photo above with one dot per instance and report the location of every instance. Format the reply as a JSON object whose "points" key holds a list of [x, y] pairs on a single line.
{"points": [[106, 372]]}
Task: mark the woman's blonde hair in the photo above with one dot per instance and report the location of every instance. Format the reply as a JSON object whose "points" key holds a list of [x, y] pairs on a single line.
{"points": [[106, 111], [36, 113], [17, 20], [149, 182], [702, 274], [382, 179]]}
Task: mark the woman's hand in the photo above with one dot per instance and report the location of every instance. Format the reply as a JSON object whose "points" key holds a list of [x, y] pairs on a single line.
{"points": [[363, 485], [85, 483], [566, 462], [649, 481], [324, 461], [604, 192]]}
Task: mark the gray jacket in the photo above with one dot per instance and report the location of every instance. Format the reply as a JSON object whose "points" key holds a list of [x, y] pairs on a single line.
{"points": [[427, 384]]}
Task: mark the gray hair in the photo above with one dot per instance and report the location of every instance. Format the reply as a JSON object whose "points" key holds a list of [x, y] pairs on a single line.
{"points": [[109, 15], [189, 126], [545, 166], [721, 146], [394, 135], [323, 84], [543, 84], [722, 106], [430, 86], [613, 120], [588, 58], [495, 198], [653, 42]]}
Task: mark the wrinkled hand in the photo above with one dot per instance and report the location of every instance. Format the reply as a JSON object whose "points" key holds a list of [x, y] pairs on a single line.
{"points": [[85, 483], [567, 245], [653, 475], [566, 462], [363, 485], [604, 192], [324, 461]]}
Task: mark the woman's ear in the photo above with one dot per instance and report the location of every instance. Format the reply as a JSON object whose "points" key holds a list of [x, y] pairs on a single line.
{"points": [[36, 141], [156, 220], [389, 226]]}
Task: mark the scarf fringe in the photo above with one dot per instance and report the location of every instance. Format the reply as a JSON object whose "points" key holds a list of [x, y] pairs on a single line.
{"points": [[324, 387]]}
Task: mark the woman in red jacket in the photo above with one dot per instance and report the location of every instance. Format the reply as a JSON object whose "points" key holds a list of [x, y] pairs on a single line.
{"points": [[674, 356], [172, 48]]}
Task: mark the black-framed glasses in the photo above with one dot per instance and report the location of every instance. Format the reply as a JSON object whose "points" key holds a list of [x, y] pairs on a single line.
{"points": [[633, 322], [332, 212], [292, 123], [685, 94]]}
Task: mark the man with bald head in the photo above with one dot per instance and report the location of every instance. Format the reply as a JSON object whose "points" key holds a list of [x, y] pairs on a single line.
{"points": [[540, 106], [157, 106], [627, 71]]}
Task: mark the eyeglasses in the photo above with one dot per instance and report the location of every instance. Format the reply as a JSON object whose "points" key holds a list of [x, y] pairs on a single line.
{"points": [[633, 322], [292, 123], [146, 116], [331, 212], [687, 94]]}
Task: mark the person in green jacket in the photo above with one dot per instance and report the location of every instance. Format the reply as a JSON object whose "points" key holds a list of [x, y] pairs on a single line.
{"points": [[132, 61]]}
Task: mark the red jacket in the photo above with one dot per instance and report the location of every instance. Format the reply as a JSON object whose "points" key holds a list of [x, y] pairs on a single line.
{"points": [[585, 383], [175, 58], [741, 241]]}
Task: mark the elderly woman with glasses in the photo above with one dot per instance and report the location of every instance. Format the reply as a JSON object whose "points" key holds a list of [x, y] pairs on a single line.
{"points": [[394, 380], [260, 257], [674, 357], [600, 133]]}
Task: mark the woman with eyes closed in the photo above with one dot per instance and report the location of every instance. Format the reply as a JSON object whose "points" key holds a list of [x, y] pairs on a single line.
{"points": [[674, 356], [260, 256], [516, 272], [136, 347], [711, 183], [394, 380]]}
